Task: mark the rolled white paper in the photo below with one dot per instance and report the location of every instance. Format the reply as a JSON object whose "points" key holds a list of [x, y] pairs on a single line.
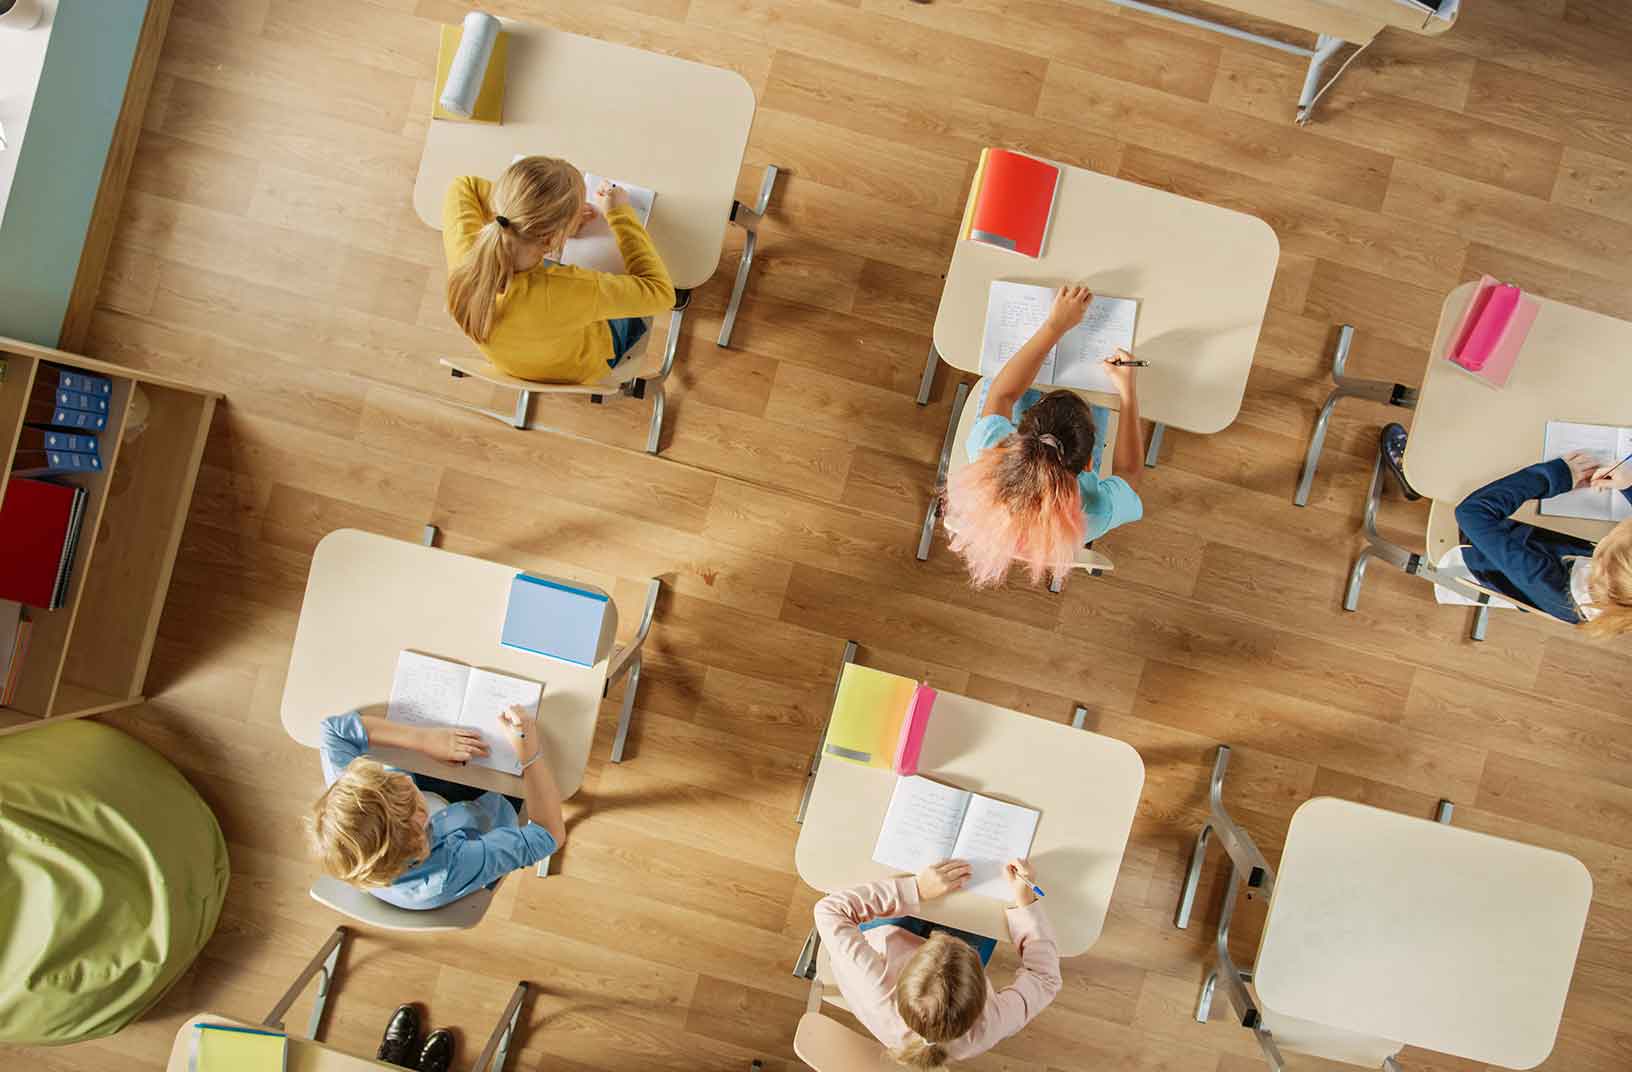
{"points": [[469, 66]]}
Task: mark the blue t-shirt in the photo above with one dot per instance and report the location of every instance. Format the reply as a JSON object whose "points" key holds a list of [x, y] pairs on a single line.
{"points": [[473, 843], [1106, 503]]}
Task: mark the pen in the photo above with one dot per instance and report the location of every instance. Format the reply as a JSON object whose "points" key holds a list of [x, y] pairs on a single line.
{"points": [[1119, 361], [1612, 468], [1038, 890]]}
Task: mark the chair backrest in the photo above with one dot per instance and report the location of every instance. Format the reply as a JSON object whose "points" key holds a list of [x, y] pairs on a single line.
{"points": [[1444, 535], [364, 907], [828, 1046], [480, 368], [1086, 558], [1329, 1043]]}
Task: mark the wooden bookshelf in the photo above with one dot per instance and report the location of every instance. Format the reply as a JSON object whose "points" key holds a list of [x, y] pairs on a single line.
{"points": [[91, 654]]}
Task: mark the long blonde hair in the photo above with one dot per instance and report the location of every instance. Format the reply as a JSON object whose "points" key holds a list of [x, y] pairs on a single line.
{"points": [[941, 994], [535, 200], [365, 827], [1610, 584]]}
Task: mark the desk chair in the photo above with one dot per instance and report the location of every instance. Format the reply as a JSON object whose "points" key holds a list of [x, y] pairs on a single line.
{"points": [[955, 456], [1389, 394], [825, 1044], [1442, 535], [633, 377], [1273, 1031]]}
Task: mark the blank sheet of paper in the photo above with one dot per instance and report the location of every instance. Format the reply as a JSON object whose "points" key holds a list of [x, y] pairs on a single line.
{"points": [[994, 832]]}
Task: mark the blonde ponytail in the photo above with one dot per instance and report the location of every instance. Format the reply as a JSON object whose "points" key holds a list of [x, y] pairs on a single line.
{"points": [[940, 995], [1610, 585], [535, 201]]}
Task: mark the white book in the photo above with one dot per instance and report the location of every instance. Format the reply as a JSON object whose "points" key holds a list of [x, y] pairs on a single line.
{"points": [[928, 822], [428, 691], [595, 246], [1014, 312], [1606, 443]]}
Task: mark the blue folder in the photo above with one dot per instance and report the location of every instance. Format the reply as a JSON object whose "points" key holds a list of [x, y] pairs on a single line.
{"points": [[554, 619]]}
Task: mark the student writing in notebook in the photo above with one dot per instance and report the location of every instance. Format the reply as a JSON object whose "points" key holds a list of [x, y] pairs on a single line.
{"points": [[922, 989], [1031, 491], [530, 316], [1565, 576], [420, 842]]}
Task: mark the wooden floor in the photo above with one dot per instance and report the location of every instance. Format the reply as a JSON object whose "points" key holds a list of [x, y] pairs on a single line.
{"points": [[268, 250]]}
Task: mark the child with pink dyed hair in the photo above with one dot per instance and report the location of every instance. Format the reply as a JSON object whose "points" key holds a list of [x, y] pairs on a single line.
{"points": [[1031, 492]]}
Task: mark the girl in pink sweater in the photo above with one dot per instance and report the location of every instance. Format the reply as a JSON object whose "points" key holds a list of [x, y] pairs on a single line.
{"points": [[927, 998]]}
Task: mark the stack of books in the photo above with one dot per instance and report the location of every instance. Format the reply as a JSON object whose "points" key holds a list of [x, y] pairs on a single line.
{"points": [[39, 533], [14, 630], [70, 400]]}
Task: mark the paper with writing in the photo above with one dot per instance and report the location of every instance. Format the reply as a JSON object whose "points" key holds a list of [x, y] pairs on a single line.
{"points": [[1608, 445], [1014, 313], [994, 832], [920, 825], [428, 691]]}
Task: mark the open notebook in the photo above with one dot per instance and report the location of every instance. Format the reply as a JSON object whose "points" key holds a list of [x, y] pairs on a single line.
{"points": [[928, 822], [1604, 442], [595, 246], [1014, 312], [428, 691]]}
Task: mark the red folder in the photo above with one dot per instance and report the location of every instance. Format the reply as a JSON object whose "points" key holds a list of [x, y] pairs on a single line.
{"points": [[36, 522], [1011, 202]]}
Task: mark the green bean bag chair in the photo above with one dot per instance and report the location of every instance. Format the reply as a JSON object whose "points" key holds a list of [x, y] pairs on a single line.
{"points": [[112, 874]]}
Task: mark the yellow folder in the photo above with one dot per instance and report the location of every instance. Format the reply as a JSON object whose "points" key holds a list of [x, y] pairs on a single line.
{"points": [[867, 716], [490, 101], [224, 1048]]}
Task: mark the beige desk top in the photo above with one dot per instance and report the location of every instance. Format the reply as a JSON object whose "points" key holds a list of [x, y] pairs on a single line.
{"points": [[368, 597], [1353, 20], [1201, 273], [304, 1055], [1574, 366], [1086, 785], [1402, 928], [678, 127]]}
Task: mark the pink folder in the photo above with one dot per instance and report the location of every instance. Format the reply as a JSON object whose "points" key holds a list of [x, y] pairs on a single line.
{"points": [[1492, 329], [913, 728]]}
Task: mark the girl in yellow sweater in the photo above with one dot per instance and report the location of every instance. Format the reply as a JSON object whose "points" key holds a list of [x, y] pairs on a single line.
{"points": [[530, 316]]}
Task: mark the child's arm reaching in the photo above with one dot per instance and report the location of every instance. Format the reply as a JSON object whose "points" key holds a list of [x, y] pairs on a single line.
{"points": [[645, 288], [451, 744], [1021, 370]]}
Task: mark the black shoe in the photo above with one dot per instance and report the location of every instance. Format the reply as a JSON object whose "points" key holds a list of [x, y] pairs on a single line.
{"points": [[437, 1056], [1393, 448], [400, 1046]]}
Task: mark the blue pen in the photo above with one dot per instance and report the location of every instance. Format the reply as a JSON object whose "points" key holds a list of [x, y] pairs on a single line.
{"points": [[1612, 468], [1038, 890]]}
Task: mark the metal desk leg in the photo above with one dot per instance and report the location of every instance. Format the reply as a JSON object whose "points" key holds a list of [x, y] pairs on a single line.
{"points": [[325, 966], [805, 966], [1481, 618], [748, 219], [1392, 394], [1326, 46], [626, 660], [498, 1043], [816, 756], [1079, 717], [1155, 448], [926, 535], [1443, 812], [1243, 853], [928, 382]]}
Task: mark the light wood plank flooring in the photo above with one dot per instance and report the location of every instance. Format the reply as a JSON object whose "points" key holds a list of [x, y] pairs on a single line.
{"points": [[267, 249]]}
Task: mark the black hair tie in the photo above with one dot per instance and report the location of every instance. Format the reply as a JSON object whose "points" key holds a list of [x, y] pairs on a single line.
{"points": [[502, 221]]}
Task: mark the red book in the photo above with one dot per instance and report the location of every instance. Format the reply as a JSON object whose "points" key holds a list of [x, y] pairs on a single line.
{"points": [[1011, 202], [39, 524]]}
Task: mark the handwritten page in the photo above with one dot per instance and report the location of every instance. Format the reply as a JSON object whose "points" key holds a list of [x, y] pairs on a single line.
{"points": [[1014, 312], [994, 832], [489, 695], [427, 691], [1608, 445], [594, 246], [921, 824]]}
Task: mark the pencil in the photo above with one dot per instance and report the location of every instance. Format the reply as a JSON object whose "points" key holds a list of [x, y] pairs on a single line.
{"points": [[1611, 469], [1119, 361]]}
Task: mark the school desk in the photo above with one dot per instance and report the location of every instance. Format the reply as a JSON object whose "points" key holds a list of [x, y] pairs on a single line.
{"points": [[369, 597], [678, 127], [1201, 273], [1573, 366], [1336, 24], [311, 1055], [1086, 785], [1389, 926]]}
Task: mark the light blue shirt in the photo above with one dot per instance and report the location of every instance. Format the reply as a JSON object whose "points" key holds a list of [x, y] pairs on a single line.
{"points": [[1106, 503], [473, 843]]}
